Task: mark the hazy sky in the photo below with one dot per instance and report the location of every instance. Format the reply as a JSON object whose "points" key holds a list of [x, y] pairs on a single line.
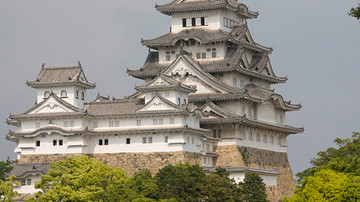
{"points": [[316, 44]]}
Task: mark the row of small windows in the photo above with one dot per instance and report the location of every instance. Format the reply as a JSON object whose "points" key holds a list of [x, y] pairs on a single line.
{"points": [[169, 54], [188, 22], [63, 94], [25, 182], [58, 142], [138, 123], [204, 55], [264, 138], [230, 23]]}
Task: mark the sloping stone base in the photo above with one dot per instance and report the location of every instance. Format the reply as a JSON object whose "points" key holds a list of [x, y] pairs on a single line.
{"points": [[129, 162], [263, 159]]}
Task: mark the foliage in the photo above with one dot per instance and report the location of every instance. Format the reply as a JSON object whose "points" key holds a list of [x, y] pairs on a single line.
{"points": [[83, 179], [253, 188], [355, 12], [5, 167], [328, 185], [182, 182], [7, 192], [144, 185], [345, 159], [244, 154]]}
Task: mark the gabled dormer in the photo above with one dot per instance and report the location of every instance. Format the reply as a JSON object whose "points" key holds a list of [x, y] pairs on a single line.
{"points": [[68, 83], [167, 87]]}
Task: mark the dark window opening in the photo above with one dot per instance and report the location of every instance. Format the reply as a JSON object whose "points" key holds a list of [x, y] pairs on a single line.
{"points": [[38, 143], [106, 141], [202, 21], [127, 140], [100, 142], [60, 142], [54, 142], [184, 22], [23, 183], [193, 22], [28, 181]]}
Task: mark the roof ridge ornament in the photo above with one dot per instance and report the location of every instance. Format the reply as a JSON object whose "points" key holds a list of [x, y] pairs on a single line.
{"points": [[79, 63]]}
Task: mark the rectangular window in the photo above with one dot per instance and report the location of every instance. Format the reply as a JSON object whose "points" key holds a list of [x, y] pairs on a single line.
{"points": [[28, 181], [138, 122], [161, 121], [111, 123], [168, 58], [23, 182], [167, 94], [214, 133], [100, 142], [149, 139], [172, 121], [155, 122], [258, 137], [272, 139], [219, 133], [234, 81], [184, 22], [207, 147], [71, 123], [54, 142], [188, 139], [203, 55], [106, 142], [213, 55], [192, 140], [117, 123], [127, 140], [144, 141], [204, 160], [60, 142], [193, 22], [37, 125], [202, 21], [38, 143], [250, 136], [66, 124], [198, 56], [208, 49], [224, 21], [265, 138], [166, 139], [172, 52]]}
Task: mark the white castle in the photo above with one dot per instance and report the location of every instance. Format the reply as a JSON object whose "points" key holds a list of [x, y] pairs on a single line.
{"points": [[206, 99]]}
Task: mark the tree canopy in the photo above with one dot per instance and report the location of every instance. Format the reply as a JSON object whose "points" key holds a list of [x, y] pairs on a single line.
{"points": [[5, 167], [86, 179], [355, 12], [334, 175], [7, 192]]}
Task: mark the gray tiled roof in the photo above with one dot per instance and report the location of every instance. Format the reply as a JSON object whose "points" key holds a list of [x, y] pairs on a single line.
{"points": [[242, 169], [61, 76], [184, 5], [23, 170], [201, 35], [172, 84]]}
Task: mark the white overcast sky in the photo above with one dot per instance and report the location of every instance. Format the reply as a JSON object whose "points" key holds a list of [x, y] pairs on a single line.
{"points": [[316, 44]]}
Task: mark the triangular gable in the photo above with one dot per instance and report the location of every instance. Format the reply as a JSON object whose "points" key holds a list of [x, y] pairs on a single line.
{"points": [[52, 104], [158, 103], [215, 111], [190, 73]]}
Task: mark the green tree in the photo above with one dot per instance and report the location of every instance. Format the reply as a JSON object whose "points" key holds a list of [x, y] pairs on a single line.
{"points": [[7, 192], [182, 182], [345, 159], [144, 186], [355, 12], [5, 167], [83, 179], [328, 185], [219, 187], [253, 188]]}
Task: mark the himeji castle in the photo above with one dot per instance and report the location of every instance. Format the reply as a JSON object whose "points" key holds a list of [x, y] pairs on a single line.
{"points": [[207, 99]]}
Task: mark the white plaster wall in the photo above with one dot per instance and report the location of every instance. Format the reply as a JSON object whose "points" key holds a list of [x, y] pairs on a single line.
{"points": [[28, 189], [267, 179], [71, 97], [266, 112], [211, 20]]}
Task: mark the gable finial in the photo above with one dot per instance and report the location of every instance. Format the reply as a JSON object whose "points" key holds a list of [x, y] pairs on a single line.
{"points": [[43, 65], [79, 63]]}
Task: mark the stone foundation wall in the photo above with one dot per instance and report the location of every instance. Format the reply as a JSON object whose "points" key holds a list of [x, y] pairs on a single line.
{"points": [[228, 156], [257, 158], [129, 162]]}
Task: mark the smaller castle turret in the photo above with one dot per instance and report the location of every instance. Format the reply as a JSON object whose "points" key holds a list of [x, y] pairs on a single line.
{"points": [[68, 83]]}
